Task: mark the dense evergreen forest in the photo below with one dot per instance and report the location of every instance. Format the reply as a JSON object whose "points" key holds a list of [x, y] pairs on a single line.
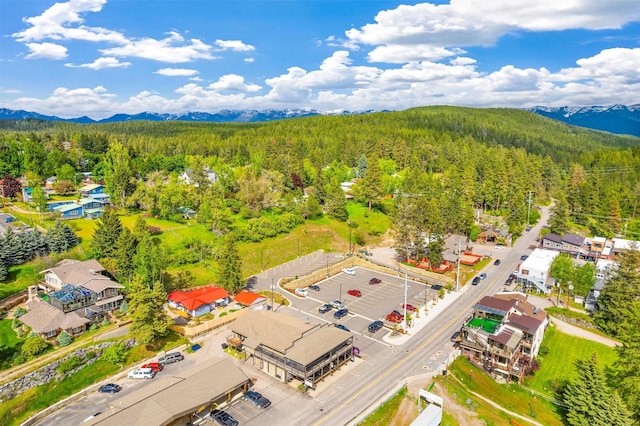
{"points": [[458, 158]]}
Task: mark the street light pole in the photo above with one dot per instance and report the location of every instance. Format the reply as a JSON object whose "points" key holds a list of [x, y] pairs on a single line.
{"points": [[272, 294], [405, 303], [458, 272]]}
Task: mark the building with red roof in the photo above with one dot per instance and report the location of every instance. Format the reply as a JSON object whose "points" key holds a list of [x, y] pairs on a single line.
{"points": [[199, 301], [250, 299]]}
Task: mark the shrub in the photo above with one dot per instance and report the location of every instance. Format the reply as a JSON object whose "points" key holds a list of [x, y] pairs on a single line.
{"points": [[115, 354], [69, 364], [20, 311], [33, 346], [64, 339]]}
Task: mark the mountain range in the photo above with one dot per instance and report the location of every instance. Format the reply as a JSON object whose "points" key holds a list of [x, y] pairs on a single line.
{"points": [[619, 119]]}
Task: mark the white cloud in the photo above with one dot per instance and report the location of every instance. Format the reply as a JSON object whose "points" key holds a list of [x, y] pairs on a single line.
{"points": [[169, 49], [431, 30], [46, 51], [62, 21], [234, 82], [176, 72], [249, 60], [101, 63], [235, 45]]}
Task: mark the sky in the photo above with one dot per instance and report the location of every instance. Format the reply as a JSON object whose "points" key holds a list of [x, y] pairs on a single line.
{"points": [[97, 58]]}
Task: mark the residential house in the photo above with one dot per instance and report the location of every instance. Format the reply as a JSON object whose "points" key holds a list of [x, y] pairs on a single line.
{"points": [[186, 176], [533, 273], [570, 244], [72, 295], [597, 248], [69, 211], [26, 194], [503, 334], [91, 190], [250, 299], [50, 182], [88, 207], [51, 205], [199, 301], [187, 213], [620, 244]]}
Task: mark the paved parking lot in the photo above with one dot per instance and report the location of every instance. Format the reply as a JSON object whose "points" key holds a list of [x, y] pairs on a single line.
{"points": [[375, 303]]}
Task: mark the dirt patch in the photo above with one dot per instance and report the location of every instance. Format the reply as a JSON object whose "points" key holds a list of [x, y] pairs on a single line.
{"points": [[460, 413]]}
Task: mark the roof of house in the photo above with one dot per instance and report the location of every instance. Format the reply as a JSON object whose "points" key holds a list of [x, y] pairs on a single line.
{"points": [[523, 305], [539, 260], [88, 200], [90, 187], [100, 283], [76, 272], [508, 337], [573, 239], [193, 299], [156, 402], [67, 207], [525, 323], [44, 318], [495, 305], [248, 298], [314, 345], [553, 237]]}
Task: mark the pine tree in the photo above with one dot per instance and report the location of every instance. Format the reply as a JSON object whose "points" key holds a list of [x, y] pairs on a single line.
{"points": [[105, 237], [4, 272], [149, 320], [559, 216], [64, 339], [127, 245], [230, 267]]}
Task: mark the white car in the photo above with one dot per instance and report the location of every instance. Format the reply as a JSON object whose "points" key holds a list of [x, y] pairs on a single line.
{"points": [[141, 373], [349, 271], [302, 292]]}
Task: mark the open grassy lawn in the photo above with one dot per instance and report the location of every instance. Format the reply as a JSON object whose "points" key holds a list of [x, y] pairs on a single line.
{"points": [[8, 337], [512, 397], [558, 364], [19, 278], [385, 414]]}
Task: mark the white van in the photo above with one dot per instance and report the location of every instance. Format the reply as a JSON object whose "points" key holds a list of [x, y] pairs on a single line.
{"points": [[141, 373]]}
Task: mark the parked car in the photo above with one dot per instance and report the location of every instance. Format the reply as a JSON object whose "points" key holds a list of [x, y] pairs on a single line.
{"points": [[355, 293], [483, 276], [336, 304], [393, 318], [455, 337], [141, 373], [314, 287], [341, 327], [375, 326], [410, 307], [475, 281], [365, 252], [223, 418], [528, 228], [155, 366], [397, 313], [323, 309], [110, 388], [436, 287], [341, 313], [301, 292], [374, 281], [256, 399], [500, 247], [496, 262], [171, 358], [349, 271]]}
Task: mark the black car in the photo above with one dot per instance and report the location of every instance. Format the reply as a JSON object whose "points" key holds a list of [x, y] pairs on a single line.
{"points": [[110, 388], [341, 327], [436, 287], [222, 418], [324, 308], [475, 281], [375, 326], [374, 281], [524, 257], [257, 399], [341, 313], [455, 337], [314, 287], [496, 262]]}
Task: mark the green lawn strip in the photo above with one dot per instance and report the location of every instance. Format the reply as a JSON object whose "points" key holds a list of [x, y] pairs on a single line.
{"points": [[559, 363], [448, 420], [19, 278], [8, 337], [511, 397], [386, 412]]}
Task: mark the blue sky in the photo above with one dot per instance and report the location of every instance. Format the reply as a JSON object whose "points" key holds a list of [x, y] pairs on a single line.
{"points": [[102, 57]]}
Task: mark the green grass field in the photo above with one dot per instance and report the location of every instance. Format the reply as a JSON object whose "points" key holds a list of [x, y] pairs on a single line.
{"points": [[559, 363], [8, 337]]}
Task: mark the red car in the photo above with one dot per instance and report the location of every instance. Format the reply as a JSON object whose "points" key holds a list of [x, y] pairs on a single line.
{"points": [[394, 318], [375, 280], [356, 293], [410, 307], [155, 366]]}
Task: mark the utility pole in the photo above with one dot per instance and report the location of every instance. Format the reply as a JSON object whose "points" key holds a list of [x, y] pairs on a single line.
{"points": [[272, 294], [528, 208], [458, 272], [405, 303]]}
